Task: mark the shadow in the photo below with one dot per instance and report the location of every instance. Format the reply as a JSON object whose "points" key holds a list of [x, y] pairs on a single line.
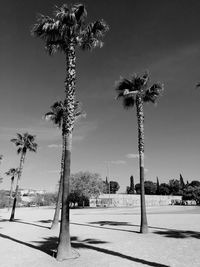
{"points": [[49, 246], [179, 234], [117, 254], [114, 223], [45, 221], [102, 227], [37, 225]]}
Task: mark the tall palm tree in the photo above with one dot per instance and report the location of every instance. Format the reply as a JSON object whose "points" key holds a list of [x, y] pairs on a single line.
{"points": [[56, 116], [135, 92], [24, 142], [64, 33], [12, 172]]}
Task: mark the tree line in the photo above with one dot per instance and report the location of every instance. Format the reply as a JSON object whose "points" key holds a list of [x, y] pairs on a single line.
{"points": [[178, 187]]}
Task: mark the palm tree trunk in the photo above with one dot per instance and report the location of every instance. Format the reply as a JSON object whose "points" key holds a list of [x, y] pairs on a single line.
{"points": [[64, 247], [17, 186], [11, 192], [59, 198], [140, 118]]}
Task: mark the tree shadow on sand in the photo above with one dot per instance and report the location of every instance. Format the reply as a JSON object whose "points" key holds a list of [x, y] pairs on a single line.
{"points": [[28, 223], [179, 234], [103, 227], [49, 246], [168, 230]]}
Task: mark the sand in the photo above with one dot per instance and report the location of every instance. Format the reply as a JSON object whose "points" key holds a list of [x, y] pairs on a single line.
{"points": [[103, 237]]}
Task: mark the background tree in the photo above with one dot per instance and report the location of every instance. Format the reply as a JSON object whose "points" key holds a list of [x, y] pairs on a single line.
{"points": [[194, 183], [24, 142], [131, 189], [106, 189], [56, 115], [1, 158], [149, 187], [66, 31], [175, 187], [157, 186], [135, 92], [114, 187], [192, 193], [85, 185], [182, 183], [12, 172], [164, 189]]}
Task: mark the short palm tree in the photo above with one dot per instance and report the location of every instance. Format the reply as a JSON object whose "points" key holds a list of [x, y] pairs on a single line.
{"points": [[1, 178], [12, 172], [24, 142], [56, 116], [135, 92], [64, 33]]}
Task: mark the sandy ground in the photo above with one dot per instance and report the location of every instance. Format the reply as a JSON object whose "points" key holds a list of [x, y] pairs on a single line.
{"points": [[103, 237]]}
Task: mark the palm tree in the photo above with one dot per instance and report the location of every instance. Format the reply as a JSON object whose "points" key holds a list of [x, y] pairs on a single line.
{"points": [[56, 116], [1, 178], [135, 92], [24, 142], [12, 172], [64, 33]]}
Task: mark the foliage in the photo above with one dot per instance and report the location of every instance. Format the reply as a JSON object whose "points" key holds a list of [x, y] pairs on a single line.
{"points": [[4, 198], [129, 89], [195, 183], [114, 187], [131, 189], [47, 199], [106, 189], [85, 185], [175, 187], [25, 142], [149, 187], [68, 25], [192, 193], [164, 189]]}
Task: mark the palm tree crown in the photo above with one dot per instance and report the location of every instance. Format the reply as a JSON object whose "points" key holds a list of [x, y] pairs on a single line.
{"points": [[129, 89], [68, 25], [12, 172], [58, 109], [25, 142]]}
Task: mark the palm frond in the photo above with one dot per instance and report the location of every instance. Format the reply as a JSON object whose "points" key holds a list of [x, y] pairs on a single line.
{"points": [[124, 84], [128, 102], [90, 36], [80, 12], [153, 92]]}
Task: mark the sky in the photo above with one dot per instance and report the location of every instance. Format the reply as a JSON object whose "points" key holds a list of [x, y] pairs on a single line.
{"points": [[159, 36]]}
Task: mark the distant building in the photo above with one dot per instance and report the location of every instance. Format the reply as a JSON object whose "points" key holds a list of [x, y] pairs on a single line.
{"points": [[29, 192]]}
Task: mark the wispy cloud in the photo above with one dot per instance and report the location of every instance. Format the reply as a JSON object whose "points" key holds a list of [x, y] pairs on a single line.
{"points": [[132, 156], [118, 162]]}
